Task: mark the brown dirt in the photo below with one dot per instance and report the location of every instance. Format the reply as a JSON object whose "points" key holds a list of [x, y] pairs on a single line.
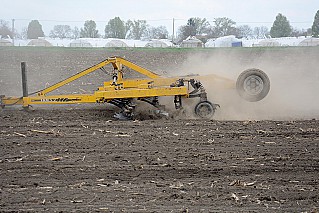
{"points": [[77, 158]]}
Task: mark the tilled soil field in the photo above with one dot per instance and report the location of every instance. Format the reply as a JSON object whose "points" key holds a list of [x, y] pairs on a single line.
{"points": [[78, 158]]}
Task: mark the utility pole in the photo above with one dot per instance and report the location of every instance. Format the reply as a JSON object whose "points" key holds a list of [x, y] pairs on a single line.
{"points": [[13, 34], [173, 36]]}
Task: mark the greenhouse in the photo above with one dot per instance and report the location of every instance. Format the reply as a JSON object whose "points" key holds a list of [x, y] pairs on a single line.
{"points": [[225, 41], [6, 43], [192, 42], [80, 43], [40, 42], [269, 43], [309, 42], [158, 43], [116, 43]]}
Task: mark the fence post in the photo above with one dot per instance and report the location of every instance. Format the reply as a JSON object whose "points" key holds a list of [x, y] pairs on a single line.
{"points": [[24, 79], [24, 83]]}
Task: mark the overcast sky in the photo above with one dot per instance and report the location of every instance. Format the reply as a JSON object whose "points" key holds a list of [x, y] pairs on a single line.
{"points": [[300, 13]]}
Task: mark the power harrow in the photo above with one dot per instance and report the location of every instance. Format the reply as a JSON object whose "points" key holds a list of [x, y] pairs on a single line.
{"points": [[252, 85]]}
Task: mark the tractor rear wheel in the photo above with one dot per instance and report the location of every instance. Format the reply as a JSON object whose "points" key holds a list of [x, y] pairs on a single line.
{"points": [[253, 85]]}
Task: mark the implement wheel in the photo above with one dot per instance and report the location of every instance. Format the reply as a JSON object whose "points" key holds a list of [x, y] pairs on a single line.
{"points": [[204, 110], [253, 85]]}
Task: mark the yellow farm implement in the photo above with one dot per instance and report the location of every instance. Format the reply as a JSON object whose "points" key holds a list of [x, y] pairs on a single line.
{"points": [[253, 85]]}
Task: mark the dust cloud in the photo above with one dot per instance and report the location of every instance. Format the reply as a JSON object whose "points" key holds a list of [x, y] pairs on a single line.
{"points": [[293, 74]]}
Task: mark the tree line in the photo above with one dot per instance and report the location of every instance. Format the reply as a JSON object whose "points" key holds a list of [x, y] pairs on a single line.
{"points": [[139, 29]]}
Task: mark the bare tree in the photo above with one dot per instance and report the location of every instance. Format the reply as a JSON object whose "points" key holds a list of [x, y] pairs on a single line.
{"points": [[5, 31], [157, 32], [75, 33], [298, 32], [261, 32], [244, 31], [61, 31], [22, 34]]}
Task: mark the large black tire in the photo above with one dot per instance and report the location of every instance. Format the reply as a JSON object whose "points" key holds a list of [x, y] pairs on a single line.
{"points": [[204, 110], [253, 85]]}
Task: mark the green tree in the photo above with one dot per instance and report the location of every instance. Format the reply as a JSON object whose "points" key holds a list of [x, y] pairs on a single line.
{"points": [[115, 28], [137, 29], [34, 30], [315, 26], [5, 31], [157, 32], [187, 30], [223, 27], [191, 27], [281, 27], [194, 26], [89, 30], [61, 31]]}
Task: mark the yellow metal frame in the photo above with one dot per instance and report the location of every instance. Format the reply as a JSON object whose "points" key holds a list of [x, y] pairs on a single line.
{"points": [[116, 62], [154, 85]]}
